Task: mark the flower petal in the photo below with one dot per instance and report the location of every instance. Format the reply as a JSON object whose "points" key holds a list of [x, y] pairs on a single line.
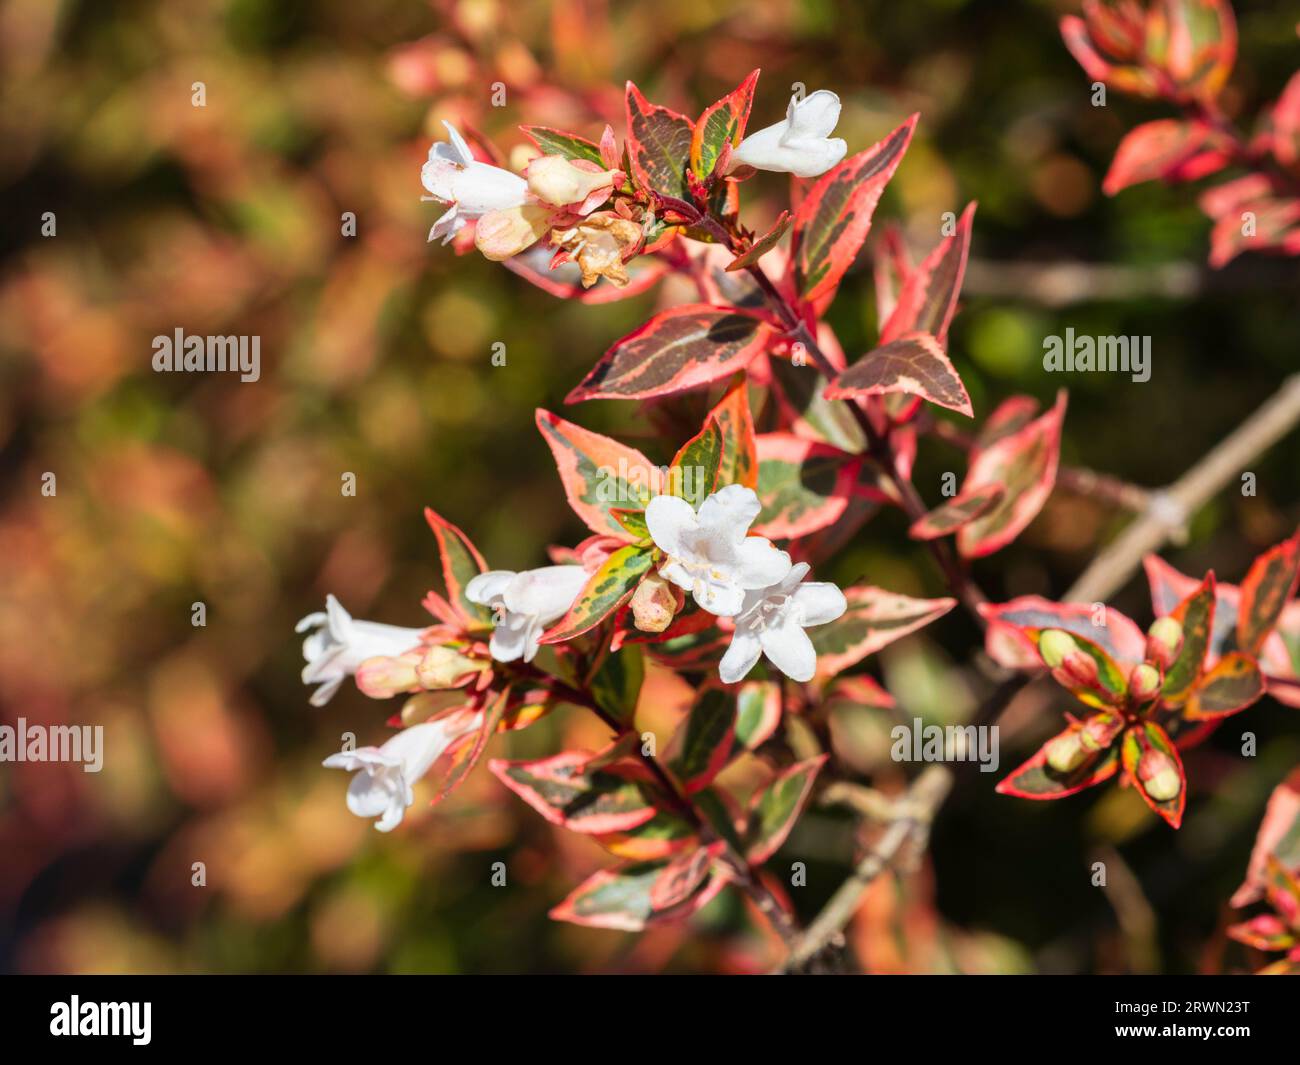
{"points": [[671, 521], [819, 602], [488, 587], [509, 638], [759, 564], [545, 593], [814, 117], [741, 656], [790, 650], [730, 511]]}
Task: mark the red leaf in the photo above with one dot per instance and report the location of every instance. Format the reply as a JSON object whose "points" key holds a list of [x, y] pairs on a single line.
{"points": [[1038, 780], [739, 462], [928, 299], [762, 245], [1232, 685], [915, 363], [773, 809], [702, 744], [958, 511], [675, 350], [1009, 644], [1024, 464], [803, 486], [1278, 835], [461, 563], [1196, 613], [835, 217], [1169, 150], [658, 145], [1268, 585]]}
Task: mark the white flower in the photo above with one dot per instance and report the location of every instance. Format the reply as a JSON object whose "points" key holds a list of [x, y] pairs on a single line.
{"points": [[802, 144], [385, 776], [708, 554], [452, 175], [525, 603], [772, 621], [337, 645]]}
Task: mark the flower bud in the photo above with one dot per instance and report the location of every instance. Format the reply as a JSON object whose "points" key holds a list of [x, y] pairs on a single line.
{"points": [[442, 667], [1099, 731], [654, 603], [1159, 776], [505, 233], [382, 677], [1164, 641], [1144, 682], [1066, 753], [558, 181], [1054, 645]]}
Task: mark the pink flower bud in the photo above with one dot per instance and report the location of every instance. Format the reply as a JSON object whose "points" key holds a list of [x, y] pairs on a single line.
{"points": [[383, 677], [1159, 776], [1164, 641], [1144, 682], [1054, 645]]}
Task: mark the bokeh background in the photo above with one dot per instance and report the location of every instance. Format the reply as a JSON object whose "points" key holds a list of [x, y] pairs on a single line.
{"points": [[376, 349]]}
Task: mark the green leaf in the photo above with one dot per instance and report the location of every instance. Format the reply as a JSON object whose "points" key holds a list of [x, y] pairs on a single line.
{"points": [[739, 461], [1196, 613], [1265, 591], [607, 590], [631, 896], [704, 741], [567, 145], [803, 486], [694, 473], [874, 619], [721, 123], [758, 711], [1234, 682], [774, 809], [616, 683], [461, 563]]}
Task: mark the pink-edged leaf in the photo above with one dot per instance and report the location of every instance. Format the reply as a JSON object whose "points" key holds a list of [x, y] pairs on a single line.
{"points": [[565, 280], [1010, 416], [1282, 890], [758, 712], [582, 791], [628, 897], [1081, 39], [861, 690], [1268, 585], [599, 474], [774, 808], [914, 364], [461, 563], [662, 836], [927, 300], [1278, 835], [1169, 150], [1008, 641], [567, 145], [874, 619], [1144, 737], [1267, 224], [1234, 682], [462, 756], [835, 217], [959, 510], [1169, 587], [739, 460], [606, 590], [1090, 674], [1038, 780], [1024, 464], [1265, 932], [1196, 613], [803, 486], [1194, 42], [702, 744], [722, 123], [658, 145], [762, 245], [681, 348]]}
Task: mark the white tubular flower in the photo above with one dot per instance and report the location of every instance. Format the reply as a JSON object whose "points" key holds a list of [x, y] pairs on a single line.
{"points": [[772, 621], [525, 604], [453, 176], [385, 776], [708, 554], [337, 644], [802, 144]]}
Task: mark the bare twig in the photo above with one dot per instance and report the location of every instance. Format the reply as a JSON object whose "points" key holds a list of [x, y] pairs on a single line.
{"points": [[911, 822]]}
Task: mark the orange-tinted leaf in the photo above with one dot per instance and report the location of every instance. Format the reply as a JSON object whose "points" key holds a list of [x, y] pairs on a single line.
{"points": [[1009, 644], [762, 245], [1231, 685], [1278, 835], [803, 486], [739, 461], [1196, 613], [658, 145], [599, 474], [1038, 780], [702, 744], [567, 145], [928, 298], [694, 472], [461, 563], [1268, 585], [607, 589], [722, 123], [774, 808], [874, 619], [1169, 150], [628, 896], [1140, 740]]}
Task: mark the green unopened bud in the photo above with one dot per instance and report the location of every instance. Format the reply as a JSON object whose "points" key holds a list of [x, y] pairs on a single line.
{"points": [[1164, 641], [1054, 645], [1144, 682], [1099, 731], [1159, 776], [1066, 753]]}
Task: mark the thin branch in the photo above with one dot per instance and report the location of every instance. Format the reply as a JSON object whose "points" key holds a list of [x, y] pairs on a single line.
{"points": [[911, 823]]}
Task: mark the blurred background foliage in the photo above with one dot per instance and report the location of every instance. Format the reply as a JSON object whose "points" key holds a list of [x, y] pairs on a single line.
{"points": [[176, 489]]}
